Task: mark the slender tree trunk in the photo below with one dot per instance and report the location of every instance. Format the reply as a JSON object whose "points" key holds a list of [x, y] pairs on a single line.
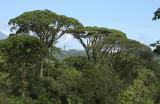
{"points": [[87, 52], [41, 70], [24, 80]]}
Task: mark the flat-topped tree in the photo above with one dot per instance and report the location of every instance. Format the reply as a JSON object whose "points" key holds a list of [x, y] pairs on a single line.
{"points": [[90, 37], [45, 24]]}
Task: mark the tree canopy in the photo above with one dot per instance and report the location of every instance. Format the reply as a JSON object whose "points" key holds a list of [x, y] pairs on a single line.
{"points": [[46, 25]]}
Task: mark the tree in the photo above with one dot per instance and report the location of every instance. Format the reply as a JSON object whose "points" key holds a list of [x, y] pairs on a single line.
{"points": [[156, 14], [46, 25], [22, 51], [156, 45], [123, 56], [142, 90], [99, 85], [77, 62], [89, 37]]}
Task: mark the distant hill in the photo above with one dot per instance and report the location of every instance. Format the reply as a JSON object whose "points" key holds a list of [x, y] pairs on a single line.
{"points": [[71, 52], [2, 35]]}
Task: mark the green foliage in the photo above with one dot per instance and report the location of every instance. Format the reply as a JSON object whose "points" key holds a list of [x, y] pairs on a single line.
{"points": [[90, 37], [99, 85], [115, 69], [78, 62], [156, 14], [45, 24], [141, 91], [21, 52], [23, 46]]}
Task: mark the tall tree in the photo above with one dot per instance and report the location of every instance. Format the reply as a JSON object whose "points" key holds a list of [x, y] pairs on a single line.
{"points": [[91, 36], [45, 24]]}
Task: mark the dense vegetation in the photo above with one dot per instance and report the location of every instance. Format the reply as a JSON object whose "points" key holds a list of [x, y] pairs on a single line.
{"points": [[112, 69]]}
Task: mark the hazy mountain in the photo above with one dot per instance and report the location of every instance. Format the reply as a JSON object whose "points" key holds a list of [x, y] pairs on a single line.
{"points": [[71, 52], [2, 35]]}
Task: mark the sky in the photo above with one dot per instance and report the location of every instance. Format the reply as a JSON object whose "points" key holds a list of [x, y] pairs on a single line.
{"points": [[133, 17]]}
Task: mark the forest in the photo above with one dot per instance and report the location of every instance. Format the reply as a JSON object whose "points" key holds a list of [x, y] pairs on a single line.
{"points": [[112, 69]]}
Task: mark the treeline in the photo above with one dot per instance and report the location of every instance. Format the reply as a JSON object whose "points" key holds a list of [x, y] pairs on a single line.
{"points": [[114, 69], [61, 53]]}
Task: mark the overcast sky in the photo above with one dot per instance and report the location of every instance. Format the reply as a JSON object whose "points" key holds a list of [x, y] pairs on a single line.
{"points": [[134, 17]]}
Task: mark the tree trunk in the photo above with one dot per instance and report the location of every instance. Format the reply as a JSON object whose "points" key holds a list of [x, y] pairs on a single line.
{"points": [[41, 70], [24, 80]]}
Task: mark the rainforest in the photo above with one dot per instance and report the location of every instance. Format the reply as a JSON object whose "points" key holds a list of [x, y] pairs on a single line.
{"points": [[110, 69]]}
